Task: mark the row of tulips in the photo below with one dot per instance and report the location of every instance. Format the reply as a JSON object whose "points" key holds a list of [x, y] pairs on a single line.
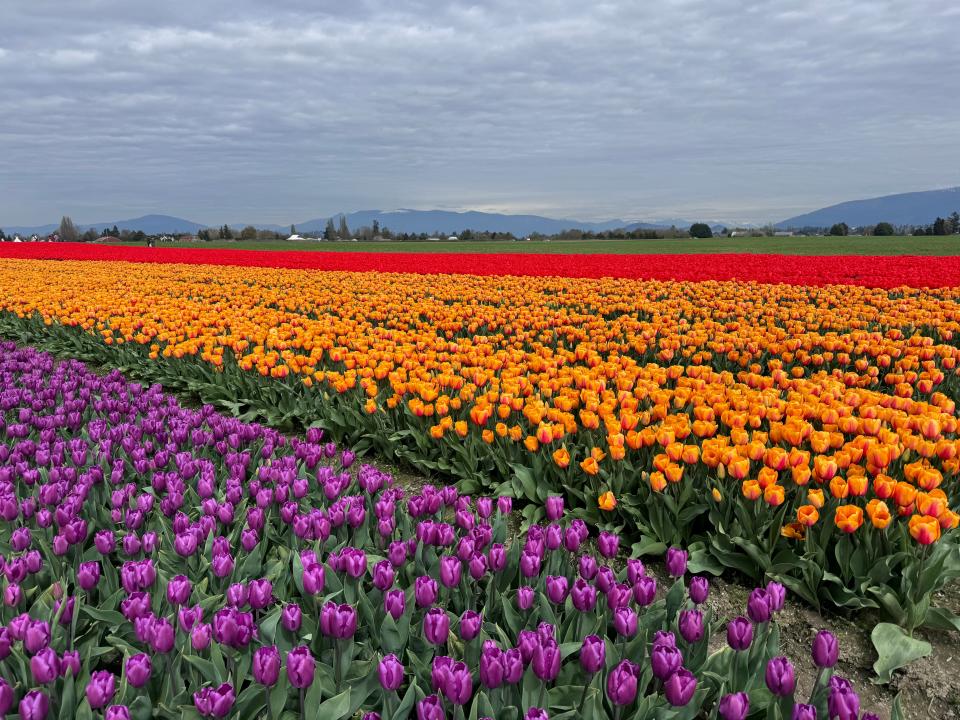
{"points": [[806, 434], [166, 562]]}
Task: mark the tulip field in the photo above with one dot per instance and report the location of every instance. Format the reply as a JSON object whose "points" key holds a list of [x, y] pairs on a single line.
{"points": [[195, 523]]}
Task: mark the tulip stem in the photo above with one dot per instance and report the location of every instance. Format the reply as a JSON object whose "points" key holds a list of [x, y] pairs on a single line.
{"points": [[266, 697], [303, 704], [583, 695], [816, 685]]}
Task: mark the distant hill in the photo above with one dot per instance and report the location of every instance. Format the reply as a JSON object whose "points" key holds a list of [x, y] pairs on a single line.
{"points": [[914, 208], [439, 222], [443, 222], [150, 224]]}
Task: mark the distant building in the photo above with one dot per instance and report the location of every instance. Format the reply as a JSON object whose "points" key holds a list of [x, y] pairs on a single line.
{"points": [[453, 238], [783, 233], [296, 237]]}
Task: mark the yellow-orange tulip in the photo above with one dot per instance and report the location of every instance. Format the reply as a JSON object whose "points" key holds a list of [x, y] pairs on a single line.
{"points": [[607, 501], [848, 518], [590, 466], [561, 457], [807, 515], [925, 529]]}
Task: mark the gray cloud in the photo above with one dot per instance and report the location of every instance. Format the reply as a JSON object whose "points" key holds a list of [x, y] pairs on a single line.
{"points": [[277, 112]]}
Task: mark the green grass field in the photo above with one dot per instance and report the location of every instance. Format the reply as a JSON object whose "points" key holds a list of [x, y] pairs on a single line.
{"points": [[947, 245]]}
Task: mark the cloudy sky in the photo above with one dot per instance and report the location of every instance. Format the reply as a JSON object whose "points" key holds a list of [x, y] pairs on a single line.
{"points": [[236, 110]]}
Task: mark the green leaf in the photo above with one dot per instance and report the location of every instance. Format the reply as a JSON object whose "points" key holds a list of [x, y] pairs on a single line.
{"points": [[67, 698], [206, 668], [895, 649], [336, 708]]}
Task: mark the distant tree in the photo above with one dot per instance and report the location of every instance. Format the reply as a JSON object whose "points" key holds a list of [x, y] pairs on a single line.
{"points": [[293, 229], [954, 221], [248, 233], [68, 231], [701, 230], [89, 236], [3, 235], [840, 229], [376, 228], [330, 231], [226, 233], [940, 226], [344, 230], [883, 229]]}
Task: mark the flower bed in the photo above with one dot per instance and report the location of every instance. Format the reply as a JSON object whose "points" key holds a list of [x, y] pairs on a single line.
{"points": [[806, 434], [871, 271], [167, 562]]}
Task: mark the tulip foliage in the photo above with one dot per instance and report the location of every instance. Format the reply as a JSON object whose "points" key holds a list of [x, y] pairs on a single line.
{"points": [[168, 562]]}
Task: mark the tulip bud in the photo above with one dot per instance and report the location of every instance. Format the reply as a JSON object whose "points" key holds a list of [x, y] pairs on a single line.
{"points": [[391, 673], [622, 683], [470, 624], [138, 669], [734, 707], [680, 687], [266, 665], [101, 689], [593, 654], [676, 562], [780, 677], [825, 649], [301, 667]]}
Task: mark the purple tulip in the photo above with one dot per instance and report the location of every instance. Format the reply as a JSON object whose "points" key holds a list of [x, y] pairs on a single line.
{"points": [[6, 697], [776, 595], [313, 579], [780, 677], [45, 666], [36, 636], [492, 669], [665, 661], [394, 602], [215, 702], [88, 575], [739, 633], [430, 708], [593, 654], [34, 706], [425, 590], [436, 626], [291, 617], [391, 673], [618, 596], [187, 617], [588, 567], [117, 712], [70, 663], [371, 716], [105, 542], [184, 544], [458, 684], [806, 712], [583, 596], [383, 575], [525, 597], [734, 707], [513, 666], [238, 594], [826, 649], [676, 562], [605, 579], [266, 665], [338, 621], [12, 595], [438, 671], [222, 565], [691, 625], [200, 636], [504, 505], [178, 590], [546, 660], [622, 683], [101, 689], [554, 537], [138, 668], [557, 588], [527, 642], [699, 589], [301, 667], [530, 564], [261, 594], [758, 606], [536, 713], [680, 687], [497, 557], [554, 507], [842, 702], [608, 544], [451, 569], [163, 636], [625, 621], [470, 624]]}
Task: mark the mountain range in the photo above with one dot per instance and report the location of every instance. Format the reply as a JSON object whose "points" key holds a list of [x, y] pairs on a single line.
{"points": [[915, 208]]}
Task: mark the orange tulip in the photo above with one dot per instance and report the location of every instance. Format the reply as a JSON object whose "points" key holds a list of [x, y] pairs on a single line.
{"points": [[751, 489], [879, 513], [808, 515], [774, 495], [839, 488], [590, 466], [658, 481], [924, 529], [607, 501], [794, 531], [815, 498], [848, 518]]}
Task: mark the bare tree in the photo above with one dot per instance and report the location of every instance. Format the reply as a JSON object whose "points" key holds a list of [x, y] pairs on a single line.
{"points": [[68, 231]]}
